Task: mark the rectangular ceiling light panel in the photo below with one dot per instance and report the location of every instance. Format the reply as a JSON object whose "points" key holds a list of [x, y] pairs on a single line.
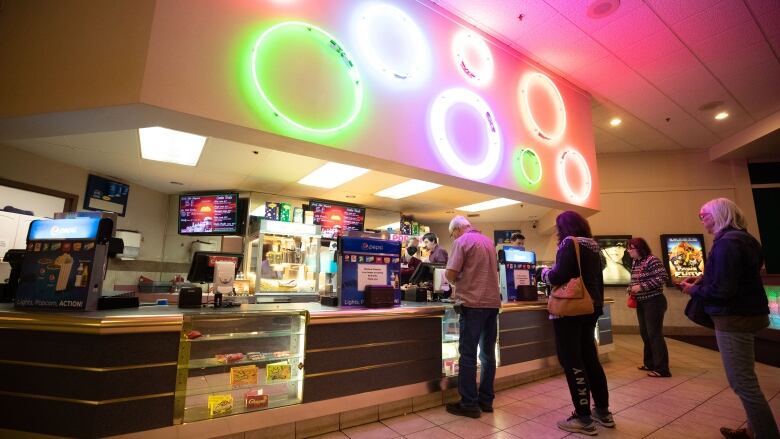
{"points": [[490, 204], [331, 175], [165, 145], [407, 189]]}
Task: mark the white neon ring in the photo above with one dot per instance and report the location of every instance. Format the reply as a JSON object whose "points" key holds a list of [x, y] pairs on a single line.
{"points": [[441, 105], [460, 42], [409, 27], [564, 181], [522, 166], [538, 78], [340, 51]]}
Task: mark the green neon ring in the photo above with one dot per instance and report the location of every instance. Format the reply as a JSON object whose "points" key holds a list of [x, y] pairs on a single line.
{"points": [[522, 165], [339, 50]]}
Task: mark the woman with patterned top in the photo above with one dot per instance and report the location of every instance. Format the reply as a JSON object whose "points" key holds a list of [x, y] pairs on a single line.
{"points": [[648, 277]]}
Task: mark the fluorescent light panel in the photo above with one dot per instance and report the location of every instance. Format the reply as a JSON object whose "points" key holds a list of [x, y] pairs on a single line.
{"points": [[331, 175], [165, 145], [407, 189], [490, 204]]}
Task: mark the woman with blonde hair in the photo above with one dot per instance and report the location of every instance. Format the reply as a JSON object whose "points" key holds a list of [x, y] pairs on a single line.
{"points": [[733, 295]]}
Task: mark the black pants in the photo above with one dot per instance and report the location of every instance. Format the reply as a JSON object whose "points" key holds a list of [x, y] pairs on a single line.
{"points": [[650, 313], [574, 340]]}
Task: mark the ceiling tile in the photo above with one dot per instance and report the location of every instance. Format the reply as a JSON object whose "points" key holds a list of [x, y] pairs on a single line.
{"points": [[757, 88], [674, 11], [645, 51], [220, 154], [712, 21], [123, 142], [743, 46], [674, 64], [213, 180], [761, 7], [631, 28], [562, 58], [577, 12], [282, 166]]}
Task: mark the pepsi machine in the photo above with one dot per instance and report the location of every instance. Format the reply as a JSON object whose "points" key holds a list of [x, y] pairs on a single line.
{"points": [[64, 263], [517, 275]]}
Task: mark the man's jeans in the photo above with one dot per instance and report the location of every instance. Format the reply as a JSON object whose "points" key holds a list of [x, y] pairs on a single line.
{"points": [[478, 326], [736, 350]]}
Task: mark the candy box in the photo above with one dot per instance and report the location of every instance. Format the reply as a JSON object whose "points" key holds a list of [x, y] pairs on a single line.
{"points": [[255, 399]]}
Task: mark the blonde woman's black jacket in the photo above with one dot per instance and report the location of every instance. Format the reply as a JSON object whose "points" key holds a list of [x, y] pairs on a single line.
{"points": [[732, 284]]}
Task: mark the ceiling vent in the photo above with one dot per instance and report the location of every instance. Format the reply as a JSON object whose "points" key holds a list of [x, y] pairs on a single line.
{"points": [[473, 215], [602, 8]]}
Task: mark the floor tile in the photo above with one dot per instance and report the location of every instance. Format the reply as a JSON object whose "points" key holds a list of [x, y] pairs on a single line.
{"points": [[433, 433], [501, 419], [469, 428], [534, 430], [374, 430], [438, 415], [408, 424]]}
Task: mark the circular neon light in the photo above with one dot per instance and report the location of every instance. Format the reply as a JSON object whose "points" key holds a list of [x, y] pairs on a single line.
{"points": [[563, 180], [534, 79], [528, 152], [478, 74], [441, 105], [338, 50], [407, 26]]}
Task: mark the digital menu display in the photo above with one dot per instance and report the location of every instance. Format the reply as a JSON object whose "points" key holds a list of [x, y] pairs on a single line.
{"points": [[211, 214], [334, 219]]}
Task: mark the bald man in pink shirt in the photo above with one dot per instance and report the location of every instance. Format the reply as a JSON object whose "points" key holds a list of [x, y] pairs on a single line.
{"points": [[472, 268]]}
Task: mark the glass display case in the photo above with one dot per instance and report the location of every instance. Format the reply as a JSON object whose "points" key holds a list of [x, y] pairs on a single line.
{"points": [[238, 362], [449, 347], [284, 258]]}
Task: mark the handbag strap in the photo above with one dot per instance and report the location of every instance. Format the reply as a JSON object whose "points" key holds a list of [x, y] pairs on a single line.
{"points": [[577, 252]]}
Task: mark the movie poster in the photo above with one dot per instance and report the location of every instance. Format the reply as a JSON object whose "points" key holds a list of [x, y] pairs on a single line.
{"points": [[683, 256], [615, 258]]}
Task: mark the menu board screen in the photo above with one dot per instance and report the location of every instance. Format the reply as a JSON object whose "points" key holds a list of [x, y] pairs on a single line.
{"points": [[211, 214], [334, 219]]}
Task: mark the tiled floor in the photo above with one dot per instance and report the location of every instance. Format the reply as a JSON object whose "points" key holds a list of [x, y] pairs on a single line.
{"points": [[691, 405]]}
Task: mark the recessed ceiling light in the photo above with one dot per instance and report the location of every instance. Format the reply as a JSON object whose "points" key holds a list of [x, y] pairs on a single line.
{"points": [[602, 8], [615, 121], [722, 115], [407, 189], [165, 145], [490, 204], [332, 174]]}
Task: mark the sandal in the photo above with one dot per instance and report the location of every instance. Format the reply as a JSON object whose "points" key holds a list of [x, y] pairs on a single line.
{"points": [[643, 367], [656, 374]]}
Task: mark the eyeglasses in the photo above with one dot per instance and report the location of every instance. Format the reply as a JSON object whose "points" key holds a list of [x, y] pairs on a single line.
{"points": [[701, 215]]}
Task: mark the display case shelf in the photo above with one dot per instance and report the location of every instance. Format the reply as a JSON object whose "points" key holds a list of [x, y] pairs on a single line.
{"points": [[247, 335], [208, 363], [218, 389], [198, 412]]}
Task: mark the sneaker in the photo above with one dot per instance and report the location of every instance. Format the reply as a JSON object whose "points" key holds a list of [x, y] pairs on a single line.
{"points": [[456, 409], [731, 433], [606, 419], [575, 425], [487, 408]]}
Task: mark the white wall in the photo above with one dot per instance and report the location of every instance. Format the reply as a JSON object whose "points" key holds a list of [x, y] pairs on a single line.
{"points": [[146, 209], [39, 204]]}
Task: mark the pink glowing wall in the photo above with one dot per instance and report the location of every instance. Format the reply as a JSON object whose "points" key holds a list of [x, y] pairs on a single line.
{"points": [[200, 59]]}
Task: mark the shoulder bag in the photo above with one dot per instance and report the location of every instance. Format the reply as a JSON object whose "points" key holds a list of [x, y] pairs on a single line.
{"points": [[571, 299], [694, 310]]}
